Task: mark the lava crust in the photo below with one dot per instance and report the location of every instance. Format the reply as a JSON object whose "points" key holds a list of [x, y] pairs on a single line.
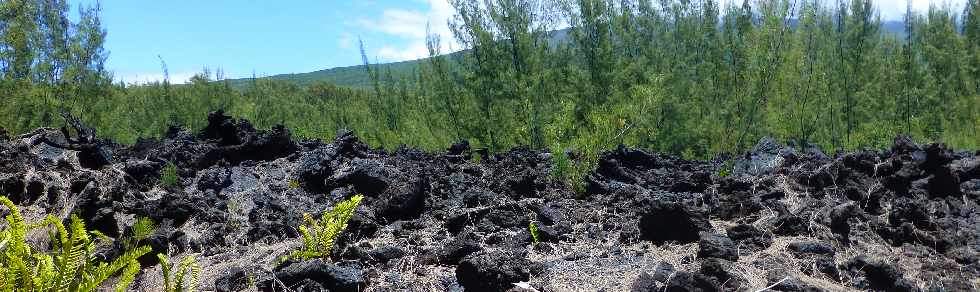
{"points": [[784, 218]]}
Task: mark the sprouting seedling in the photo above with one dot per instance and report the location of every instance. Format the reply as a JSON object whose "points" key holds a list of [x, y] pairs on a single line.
{"points": [[140, 230], [169, 176], [535, 237], [727, 169]]}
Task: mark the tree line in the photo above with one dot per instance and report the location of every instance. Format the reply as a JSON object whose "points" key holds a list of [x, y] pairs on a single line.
{"points": [[691, 77]]}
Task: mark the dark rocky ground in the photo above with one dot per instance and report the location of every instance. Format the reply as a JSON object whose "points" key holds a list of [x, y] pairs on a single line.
{"points": [[787, 218]]}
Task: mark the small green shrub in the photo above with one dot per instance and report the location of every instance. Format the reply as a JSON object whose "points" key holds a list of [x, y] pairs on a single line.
{"points": [[235, 213], [535, 237], [169, 176], [141, 229], [293, 184], [70, 265], [186, 276], [320, 235], [727, 168]]}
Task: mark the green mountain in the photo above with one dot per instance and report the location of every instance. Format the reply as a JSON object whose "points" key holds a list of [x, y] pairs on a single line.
{"points": [[351, 76], [357, 76]]}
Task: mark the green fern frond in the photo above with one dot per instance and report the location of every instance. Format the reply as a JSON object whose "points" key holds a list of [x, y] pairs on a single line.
{"points": [[16, 271], [165, 265], [74, 255], [70, 264], [128, 275], [103, 271], [100, 235], [59, 236], [535, 237], [319, 236], [45, 274], [141, 229], [186, 278], [308, 242], [20, 275], [17, 229], [189, 268]]}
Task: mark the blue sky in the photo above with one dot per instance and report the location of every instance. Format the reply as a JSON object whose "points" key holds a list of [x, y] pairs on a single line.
{"points": [[275, 37], [269, 37]]}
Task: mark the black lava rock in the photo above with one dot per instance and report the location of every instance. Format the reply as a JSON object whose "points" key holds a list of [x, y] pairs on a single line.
{"points": [[493, 271], [877, 275], [691, 282], [663, 271], [749, 237], [671, 221], [789, 225], [812, 247], [234, 279], [714, 245], [456, 250], [645, 283], [332, 277], [386, 253]]}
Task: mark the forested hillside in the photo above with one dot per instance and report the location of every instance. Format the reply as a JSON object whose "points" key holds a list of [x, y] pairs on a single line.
{"points": [[688, 77], [357, 77]]}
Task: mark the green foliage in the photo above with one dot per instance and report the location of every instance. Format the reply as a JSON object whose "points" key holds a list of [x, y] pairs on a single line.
{"points": [[69, 266], [535, 237], [235, 215], [293, 184], [169, 176], [141, 229], [127, 276], [184, 278], [727, 168], [320, 235]]}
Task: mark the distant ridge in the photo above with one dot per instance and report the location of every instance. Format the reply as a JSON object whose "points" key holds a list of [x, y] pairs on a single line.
{"points": [[357, 77], [350, 76]]}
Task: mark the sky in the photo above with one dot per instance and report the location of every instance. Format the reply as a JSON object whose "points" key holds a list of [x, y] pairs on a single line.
{"points": [[242, 37]]}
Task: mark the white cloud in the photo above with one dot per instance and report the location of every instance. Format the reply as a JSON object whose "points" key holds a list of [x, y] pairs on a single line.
{"points": [[413, 51], [400, 23], [346, 41], [144, 78], [895, 9], [410, 26]]}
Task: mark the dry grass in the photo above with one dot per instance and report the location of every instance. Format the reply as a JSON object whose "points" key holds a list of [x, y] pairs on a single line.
{"points": [[601, 269], [406, 273]]}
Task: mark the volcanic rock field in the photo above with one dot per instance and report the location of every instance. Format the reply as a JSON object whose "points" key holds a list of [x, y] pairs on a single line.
{"points": [[781, 218]]}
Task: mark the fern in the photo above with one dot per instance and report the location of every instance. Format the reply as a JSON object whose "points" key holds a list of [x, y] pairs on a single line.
{"points": [[320, 235], [127, 276], [535, 237], [185, 279], [74, 251], [165, 266], [70, 264], [104, 270]]}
